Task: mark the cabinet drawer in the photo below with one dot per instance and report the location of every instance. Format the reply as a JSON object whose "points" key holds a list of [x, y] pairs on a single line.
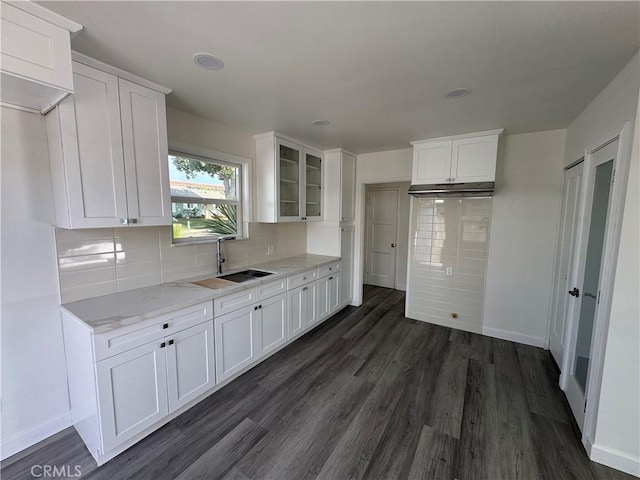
{"points": [[328, 269], [267, 290], [301, 278], [117, 341], [234, 301]]}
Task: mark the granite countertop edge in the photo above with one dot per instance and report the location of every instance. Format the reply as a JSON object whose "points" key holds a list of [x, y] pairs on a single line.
{"points": [[110, 312]]}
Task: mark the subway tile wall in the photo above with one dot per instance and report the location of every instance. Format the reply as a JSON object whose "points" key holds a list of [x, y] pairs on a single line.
{"points": [[449, 260], [101, 261]]}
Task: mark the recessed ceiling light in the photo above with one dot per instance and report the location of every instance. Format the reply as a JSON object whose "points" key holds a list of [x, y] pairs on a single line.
{"points": [[320, 123], [208, 61], [458, 92]]}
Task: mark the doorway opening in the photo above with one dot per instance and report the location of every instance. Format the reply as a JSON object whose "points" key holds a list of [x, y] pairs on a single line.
{"points": [[386, 235]]}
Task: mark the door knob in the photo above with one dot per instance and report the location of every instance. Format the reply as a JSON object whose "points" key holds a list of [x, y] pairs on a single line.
{"points": [[575, 292]]}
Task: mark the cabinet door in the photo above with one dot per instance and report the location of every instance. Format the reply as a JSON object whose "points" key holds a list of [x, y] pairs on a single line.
{"points": [[297, 311], [190, 364], [322, 298], [348, 186], [92, 145], [290, 181], [235, 341], [272, 331], [432, 163], [144, 135], [474, 159], [132, 392], [334, 293], [346, 267], [309, 302], [313, 186]]}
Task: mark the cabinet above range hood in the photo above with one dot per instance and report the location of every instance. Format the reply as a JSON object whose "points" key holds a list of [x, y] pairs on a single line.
{"points": [[472, 189]]}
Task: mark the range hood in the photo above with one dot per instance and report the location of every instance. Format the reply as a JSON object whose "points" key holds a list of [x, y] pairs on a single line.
{"points": [[474, 189]]}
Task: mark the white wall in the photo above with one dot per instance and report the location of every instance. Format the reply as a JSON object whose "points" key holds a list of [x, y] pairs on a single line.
{"points": [[378, 167], [35, 401], [617, 437], [602, 119], [524, 231], [183, 127]]}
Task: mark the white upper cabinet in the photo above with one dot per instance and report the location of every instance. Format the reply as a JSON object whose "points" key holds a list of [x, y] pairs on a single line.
{"points": [[144, 138], [108, 151], [36, 56], [289, 180], [459, 159]]}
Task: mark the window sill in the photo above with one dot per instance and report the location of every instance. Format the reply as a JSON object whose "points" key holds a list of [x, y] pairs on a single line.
{"points": [[207, 241]]}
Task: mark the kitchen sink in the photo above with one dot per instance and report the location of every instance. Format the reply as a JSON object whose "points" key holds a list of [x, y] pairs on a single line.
{"points": [[245, 275]]}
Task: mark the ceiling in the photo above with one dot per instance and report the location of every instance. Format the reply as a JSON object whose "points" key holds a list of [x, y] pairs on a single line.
{"points": [[377, 71]]}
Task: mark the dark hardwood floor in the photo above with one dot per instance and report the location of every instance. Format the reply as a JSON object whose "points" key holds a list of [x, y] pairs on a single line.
{"points": [[369, 394]]}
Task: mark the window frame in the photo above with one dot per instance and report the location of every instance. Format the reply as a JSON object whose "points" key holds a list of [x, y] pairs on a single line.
{"points": [[242, 202]]}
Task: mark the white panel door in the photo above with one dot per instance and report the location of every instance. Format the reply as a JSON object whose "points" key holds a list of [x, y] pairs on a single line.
{"points": [[474, 159], [323, 294], [382, 225], [348, 187], [432, 163], [132, 392], [235, 341], [346, 268], [144, 135], [92, 142], [566, 260], [334, 293], [190, 364], [272, 324]]}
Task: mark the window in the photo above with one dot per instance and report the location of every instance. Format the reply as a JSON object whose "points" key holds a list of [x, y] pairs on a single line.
{"points": [[205, 197]]}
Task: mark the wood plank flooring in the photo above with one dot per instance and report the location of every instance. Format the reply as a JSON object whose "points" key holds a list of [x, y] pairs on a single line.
{"points": [[367, 395]]}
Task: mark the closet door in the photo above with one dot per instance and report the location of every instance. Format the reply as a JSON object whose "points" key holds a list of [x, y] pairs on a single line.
{"points": [[565, 261]]}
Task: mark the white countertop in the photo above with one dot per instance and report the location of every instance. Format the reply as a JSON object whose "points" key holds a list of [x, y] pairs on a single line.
{"points": [[102, 314]]}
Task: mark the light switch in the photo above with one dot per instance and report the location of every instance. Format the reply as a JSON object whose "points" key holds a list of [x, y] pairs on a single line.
{"points": [[271, 249], [449, 271]]}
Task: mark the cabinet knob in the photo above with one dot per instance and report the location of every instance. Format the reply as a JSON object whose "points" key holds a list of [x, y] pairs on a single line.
{"points": [[170, 342], [304, 278], [255, 308], [133, 220], [260, 306], [162, 345], [330, 278], [165, 325], [304, 289]]}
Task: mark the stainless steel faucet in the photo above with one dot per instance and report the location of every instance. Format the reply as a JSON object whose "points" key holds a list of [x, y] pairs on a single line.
{"points": [[220, 255]]}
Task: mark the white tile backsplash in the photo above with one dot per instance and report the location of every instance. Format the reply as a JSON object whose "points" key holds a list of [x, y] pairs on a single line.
{"points": [[450, 233], [96, 262]]}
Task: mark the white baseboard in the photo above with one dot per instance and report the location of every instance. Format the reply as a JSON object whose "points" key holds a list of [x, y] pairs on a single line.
{"points": [[21, 440], [616, 459], [514, 337]]}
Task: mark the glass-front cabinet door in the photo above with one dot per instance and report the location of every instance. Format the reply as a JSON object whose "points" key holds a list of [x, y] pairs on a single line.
{"points": [[313, 186], [289, 162]]}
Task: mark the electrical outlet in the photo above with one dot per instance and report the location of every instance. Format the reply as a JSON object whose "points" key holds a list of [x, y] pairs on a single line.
{"points": [[271, 249], [449, 271]]}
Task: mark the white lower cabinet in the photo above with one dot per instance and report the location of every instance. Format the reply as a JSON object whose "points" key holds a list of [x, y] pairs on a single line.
{"points": [[235, 341], [302, 308], [139, 387], [190, 364], [328, 296], [244, 335], [125, 382], [272, 324], [132, 393]]}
